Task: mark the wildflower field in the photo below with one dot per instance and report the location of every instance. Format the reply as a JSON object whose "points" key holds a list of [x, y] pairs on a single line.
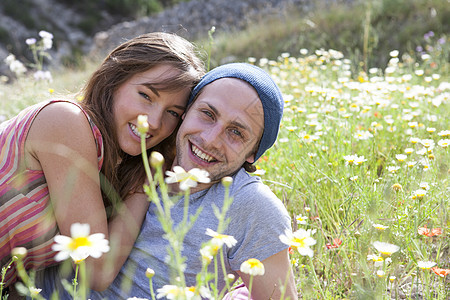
{"points": [[362, 165], [362, 160]]}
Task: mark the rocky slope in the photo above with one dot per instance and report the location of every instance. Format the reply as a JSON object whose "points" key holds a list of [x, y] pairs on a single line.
{"points": [[190, 19]]}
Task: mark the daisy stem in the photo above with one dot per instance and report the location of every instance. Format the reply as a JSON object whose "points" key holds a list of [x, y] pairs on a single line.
{"points": [[75, 282], [152, 292], [146, 164], [222, 263], [83, 287], [316, 278], [250, 287], [4, 269]]}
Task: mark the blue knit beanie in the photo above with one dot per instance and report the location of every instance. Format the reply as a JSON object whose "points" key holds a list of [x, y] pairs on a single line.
{"points": [[268, 92]]}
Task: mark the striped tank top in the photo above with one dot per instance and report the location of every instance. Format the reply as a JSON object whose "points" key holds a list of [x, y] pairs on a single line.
{"points": [[26, 216]]}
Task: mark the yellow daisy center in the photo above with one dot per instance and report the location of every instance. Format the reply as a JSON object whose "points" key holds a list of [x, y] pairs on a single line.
{"points": [[254, 263], [80, 242], [300, 242]]}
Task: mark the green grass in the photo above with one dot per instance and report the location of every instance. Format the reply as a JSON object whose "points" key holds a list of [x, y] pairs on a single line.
{"points": [[311, 176]]}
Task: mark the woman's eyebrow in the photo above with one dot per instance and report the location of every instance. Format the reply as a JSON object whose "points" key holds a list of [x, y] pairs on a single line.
{"points": [[150, 87]]}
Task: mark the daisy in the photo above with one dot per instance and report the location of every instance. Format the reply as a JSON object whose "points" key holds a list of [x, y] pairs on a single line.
{"points": [[353, 178], [301, 219], [378, 260], [220, 239], [380, 227], [409, 150], [424, 186], [380, 273], [385, 248], [187, 179], [359, 160], [444, 133], [81, 244], [444, 143], [172, 292], [401, 157], [300, 240], [425, 265], [393, 169], [362, 135], [252, 267], [420, 193], [350, 159], [427, 143]]}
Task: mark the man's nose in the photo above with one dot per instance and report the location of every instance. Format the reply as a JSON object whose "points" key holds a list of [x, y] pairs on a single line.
{"points": [[212, 136]]}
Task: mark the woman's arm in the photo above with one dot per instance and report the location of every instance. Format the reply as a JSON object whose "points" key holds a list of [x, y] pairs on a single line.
{"points": [[60, 142], [124, 228], [278, 272]]}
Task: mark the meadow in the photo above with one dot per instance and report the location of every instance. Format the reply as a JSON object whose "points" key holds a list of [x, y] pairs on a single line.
{"points": [[361, 163]]}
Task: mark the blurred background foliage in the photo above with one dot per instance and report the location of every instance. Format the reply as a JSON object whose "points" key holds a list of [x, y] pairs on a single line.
{"points": [[365, 31]]}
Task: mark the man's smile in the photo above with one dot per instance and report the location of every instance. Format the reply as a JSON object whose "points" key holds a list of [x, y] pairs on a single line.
{"points": [[197, 152]]}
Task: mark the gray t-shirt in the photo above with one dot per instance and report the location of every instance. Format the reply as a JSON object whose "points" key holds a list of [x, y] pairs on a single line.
{"points": [[257, 218]]}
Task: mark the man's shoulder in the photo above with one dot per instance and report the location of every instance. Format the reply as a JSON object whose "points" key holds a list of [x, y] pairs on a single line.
{"points": [[244, 181], [251, 190]]}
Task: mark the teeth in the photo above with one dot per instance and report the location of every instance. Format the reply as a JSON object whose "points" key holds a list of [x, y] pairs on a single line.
{"points": [[136, 131], [201, 154]]}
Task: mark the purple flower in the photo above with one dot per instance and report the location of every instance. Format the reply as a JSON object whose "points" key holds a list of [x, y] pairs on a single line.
{"points": [[428, 35]]}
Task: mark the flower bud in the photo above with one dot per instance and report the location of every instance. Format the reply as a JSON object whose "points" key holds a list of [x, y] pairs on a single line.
{"points": [[142, 124], [19, 252], [397, 187], [149, 273], [227, 181], [156, 159], [230, 278]]}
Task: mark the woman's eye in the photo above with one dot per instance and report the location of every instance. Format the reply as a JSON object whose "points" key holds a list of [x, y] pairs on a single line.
{"points": [[174, 113], [144, 95]]}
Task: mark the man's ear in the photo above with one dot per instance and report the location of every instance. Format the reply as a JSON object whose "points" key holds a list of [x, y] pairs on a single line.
{"points": [[251, 158]]}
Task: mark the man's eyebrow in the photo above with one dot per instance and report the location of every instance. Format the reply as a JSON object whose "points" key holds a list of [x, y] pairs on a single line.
{"points": [[214, 109], [234, 123], [240, 125]]}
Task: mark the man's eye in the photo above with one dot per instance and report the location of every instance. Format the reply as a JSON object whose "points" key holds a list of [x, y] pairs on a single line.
{"points": [[236, 132], [208, 113]]}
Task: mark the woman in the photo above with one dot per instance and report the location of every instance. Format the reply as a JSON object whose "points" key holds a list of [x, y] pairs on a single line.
{"points": [[63, 162]]}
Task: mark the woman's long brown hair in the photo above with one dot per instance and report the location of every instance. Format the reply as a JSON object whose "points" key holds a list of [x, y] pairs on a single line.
{"points": [[122, 173]]}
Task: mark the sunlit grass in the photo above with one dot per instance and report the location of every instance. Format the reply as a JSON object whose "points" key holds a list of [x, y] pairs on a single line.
{"points": [[331, 115]]}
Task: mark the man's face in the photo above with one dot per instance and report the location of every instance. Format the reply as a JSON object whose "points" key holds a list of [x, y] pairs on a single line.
{"points": [[221, 129]]}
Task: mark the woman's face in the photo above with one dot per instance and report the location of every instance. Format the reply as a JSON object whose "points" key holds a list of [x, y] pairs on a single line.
{"points": [[138, 97]]}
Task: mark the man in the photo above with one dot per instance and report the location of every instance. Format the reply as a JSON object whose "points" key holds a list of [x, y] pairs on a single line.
{"points": [[233, 120]]}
